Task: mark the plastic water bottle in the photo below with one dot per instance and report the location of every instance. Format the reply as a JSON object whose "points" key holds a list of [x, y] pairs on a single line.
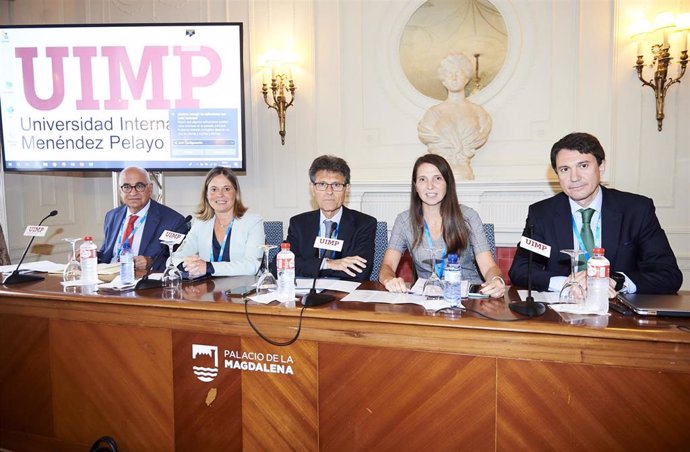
{"points": [[598, 282], [89, 260], [126, 265], [285, 266], [452, 281]]}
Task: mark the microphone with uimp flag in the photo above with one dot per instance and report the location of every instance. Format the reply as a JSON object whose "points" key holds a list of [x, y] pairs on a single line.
{"points": [[15, 277], [322, 243], [145, 282], [529, 307]]}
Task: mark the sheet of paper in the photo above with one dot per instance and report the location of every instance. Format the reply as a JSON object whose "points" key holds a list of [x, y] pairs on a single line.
{"points": [[39, 266], [595, 321], [419, 287], [327, 284], [109, 269], [116, 285], [80, 283], [544, 297], [382, 296], [572, 308], [265, 298]]}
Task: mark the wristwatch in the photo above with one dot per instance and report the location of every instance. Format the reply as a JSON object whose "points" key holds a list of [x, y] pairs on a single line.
{"points": [[619, 278]]}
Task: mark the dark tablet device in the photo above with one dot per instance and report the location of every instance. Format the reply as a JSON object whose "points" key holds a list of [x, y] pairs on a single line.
{"points": [[474, 291], [241, 291], [186, 277]]}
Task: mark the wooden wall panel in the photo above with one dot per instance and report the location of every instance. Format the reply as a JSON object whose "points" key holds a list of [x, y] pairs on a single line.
{"points": [[113, 380], [25, 381], [208, 415], [381, 399], [280, 411], [559, 406]]}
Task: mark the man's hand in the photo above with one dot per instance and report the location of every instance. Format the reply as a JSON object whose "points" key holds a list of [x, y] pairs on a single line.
{"points": [[612, 288], [349, 265], [142, 262]]}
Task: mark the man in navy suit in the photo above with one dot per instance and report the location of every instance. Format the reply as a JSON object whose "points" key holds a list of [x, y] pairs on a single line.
{"points": [[329, 181], [140, 221], [624, 224]]}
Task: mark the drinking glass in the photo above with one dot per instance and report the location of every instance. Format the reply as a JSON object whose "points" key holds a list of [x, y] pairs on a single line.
{"points": [[433, 286], [72, 271], [172, 278], [266, 282], [572, 291]]}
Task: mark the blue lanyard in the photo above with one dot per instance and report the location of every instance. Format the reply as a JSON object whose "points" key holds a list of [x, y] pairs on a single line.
{"points": [[597, 236], [440, 265], [118, 242], [222, 246]]}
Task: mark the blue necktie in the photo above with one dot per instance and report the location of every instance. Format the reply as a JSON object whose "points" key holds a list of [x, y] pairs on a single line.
{"points": [[329, 227]]}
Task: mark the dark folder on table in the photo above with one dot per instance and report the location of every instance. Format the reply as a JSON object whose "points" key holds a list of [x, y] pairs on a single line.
{"points": [[675, 305]]}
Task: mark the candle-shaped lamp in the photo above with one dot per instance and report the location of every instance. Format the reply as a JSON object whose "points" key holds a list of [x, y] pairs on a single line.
{"points": [[638, 31], [683, 24]]}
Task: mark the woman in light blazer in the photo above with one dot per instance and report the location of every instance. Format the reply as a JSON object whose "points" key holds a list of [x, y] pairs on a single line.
{"points": [[224, 239]]}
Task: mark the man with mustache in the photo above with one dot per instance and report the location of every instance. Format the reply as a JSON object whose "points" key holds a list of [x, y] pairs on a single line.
{"points": [[139, 221]]}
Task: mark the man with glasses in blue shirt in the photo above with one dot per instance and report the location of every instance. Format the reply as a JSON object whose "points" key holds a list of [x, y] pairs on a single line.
{"points": [[139, 221], [329, 181]]}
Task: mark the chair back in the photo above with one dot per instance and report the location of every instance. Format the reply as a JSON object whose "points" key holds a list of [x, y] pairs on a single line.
{"points": [[491, 237], [380, 245], [273, 231]]}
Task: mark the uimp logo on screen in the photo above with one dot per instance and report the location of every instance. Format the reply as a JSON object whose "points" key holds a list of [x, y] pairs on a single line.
{"points": [[206, 355]]}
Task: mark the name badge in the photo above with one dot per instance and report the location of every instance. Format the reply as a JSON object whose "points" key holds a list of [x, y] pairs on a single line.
{"points": [[35, 231], [171, 237], [537, 247], [324, 243]]}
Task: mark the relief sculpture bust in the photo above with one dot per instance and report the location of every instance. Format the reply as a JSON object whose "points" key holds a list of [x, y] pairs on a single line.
{"points": [[456, 128]]}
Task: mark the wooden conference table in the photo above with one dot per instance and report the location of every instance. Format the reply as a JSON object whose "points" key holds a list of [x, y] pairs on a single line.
{"points": [[74, 367]]}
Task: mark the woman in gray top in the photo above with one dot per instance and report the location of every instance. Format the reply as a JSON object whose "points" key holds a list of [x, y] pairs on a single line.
{"points": [[436, 219]]}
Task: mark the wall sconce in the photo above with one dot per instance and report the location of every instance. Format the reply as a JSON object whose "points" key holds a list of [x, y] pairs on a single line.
{"points": [[281, 83], [660, 83]]}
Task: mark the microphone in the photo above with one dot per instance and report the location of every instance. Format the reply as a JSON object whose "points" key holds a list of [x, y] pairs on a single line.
{"points": [[313, 298], [15, 277], [529, 307], [145, 282]]}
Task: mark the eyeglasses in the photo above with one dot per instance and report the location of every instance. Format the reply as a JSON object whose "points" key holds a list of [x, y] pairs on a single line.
{"points": [[323, 186], [226, 189], [139, 187]]}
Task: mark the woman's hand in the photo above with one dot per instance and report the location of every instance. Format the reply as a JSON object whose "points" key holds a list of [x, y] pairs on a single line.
{"points": [[495, 287], [396, 285], [194, 265]]}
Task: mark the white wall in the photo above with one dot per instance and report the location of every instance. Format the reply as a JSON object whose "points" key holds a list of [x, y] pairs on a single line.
{"points": [[569, 67]]}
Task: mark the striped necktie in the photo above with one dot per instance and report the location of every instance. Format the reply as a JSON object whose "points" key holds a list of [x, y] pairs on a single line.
{"points": [[128, 230]]}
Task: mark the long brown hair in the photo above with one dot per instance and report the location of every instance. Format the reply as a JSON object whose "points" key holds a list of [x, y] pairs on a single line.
{"points": [[205, 211], [455, 231]]}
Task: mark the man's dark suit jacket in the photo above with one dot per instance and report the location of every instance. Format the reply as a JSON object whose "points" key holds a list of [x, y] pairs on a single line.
{"points": [[159, 219], [357, 231], [631, 236]]}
